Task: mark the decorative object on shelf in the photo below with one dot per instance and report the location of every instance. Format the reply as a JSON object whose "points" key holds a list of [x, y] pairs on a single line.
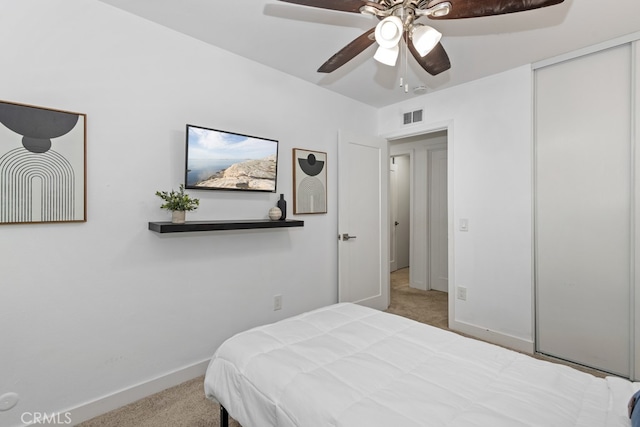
{"points": [[309, 181], [178, 202], [42, 165], [282, 204], [275, 213], [178, 217]]}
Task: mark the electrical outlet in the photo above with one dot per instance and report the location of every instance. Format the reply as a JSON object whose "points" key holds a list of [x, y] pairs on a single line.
{"points": [[462, 293], [277, 302]]}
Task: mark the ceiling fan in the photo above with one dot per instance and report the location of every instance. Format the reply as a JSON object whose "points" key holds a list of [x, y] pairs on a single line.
{"points": [[398, 22]]}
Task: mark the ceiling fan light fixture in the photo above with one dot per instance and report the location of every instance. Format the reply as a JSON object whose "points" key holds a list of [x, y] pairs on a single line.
{"points": [[387, 56], [389, 31], [424, 38]]}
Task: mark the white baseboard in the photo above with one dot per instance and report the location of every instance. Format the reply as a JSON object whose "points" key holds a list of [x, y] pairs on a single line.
{"points": [[123, 397], [504, 340]]}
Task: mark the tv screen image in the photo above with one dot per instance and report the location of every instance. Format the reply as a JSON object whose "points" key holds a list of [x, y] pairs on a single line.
{"points": [[221, 160]]}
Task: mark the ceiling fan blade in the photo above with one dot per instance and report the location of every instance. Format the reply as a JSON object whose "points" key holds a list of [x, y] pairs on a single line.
{"points": [[341, 5], [348, 52], [475, 8], [433, 62]]}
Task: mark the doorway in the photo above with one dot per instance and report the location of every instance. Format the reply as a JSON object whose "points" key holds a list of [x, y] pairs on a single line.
{"points": [[418, 188]]}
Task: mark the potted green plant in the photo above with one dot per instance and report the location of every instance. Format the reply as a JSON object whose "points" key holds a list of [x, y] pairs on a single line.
{"points": [[178, 202]]}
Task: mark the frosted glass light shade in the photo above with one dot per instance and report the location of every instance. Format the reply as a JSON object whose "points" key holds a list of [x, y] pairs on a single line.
{"points": [[425, 38], [389, 31], [387, 56]]}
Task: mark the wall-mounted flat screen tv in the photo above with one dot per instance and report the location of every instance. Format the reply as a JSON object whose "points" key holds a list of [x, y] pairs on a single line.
{"points": [[221, 160]]}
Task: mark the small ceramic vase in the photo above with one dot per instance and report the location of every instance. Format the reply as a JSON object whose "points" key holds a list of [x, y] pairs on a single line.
{"points": [[282, 204], [275, 213]]}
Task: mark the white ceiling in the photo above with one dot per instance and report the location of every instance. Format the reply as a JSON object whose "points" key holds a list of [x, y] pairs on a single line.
{"points": [[298, 39]]}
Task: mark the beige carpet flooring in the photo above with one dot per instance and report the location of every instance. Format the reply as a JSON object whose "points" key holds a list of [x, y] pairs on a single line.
{"points": [[430, 307], [185, 405]]}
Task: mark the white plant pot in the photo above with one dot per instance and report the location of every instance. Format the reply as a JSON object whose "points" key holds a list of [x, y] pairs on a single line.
{"points": [[177, 217]]}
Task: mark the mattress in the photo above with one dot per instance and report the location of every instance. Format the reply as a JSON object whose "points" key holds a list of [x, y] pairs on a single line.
{"points": [[348, 365]]}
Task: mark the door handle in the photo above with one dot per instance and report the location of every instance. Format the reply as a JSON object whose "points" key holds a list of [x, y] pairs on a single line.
{"points": [[346, 236], [396, 223]]}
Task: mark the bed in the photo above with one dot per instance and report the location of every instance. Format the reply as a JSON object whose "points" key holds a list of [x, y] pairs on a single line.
{"points": [[349, 366]]}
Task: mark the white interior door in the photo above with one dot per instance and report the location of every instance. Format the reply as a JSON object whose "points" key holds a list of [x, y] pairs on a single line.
{"points": [[438, 221], [363, 220], [583, 210], [393, 198]]}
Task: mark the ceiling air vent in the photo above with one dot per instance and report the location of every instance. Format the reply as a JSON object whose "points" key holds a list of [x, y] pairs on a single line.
{"points": [[412, 117]]}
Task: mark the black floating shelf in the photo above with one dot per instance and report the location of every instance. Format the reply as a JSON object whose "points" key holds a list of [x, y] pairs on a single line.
{"points": [[246, 224]]}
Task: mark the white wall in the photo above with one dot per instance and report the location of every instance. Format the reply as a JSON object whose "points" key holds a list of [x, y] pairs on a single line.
{"points": [[93, 308], [490, 173]]}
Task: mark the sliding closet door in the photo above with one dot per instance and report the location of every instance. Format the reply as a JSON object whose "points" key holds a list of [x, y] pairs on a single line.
{"points": [[583, 209]]}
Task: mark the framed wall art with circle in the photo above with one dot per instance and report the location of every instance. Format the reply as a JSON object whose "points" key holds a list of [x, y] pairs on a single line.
{"points": [[309, 182]]}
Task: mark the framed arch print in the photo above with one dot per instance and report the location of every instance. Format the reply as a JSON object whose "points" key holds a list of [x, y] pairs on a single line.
{"points": [[309, 182], [42, 165]]}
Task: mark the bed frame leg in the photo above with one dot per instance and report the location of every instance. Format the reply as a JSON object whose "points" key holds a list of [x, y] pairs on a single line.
{"points": [[224, 417]]}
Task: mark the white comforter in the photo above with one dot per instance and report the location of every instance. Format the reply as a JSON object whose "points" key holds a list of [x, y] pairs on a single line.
{"points": [[347, 365]]}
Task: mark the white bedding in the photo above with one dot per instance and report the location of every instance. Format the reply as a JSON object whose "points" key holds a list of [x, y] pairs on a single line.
{"points": [[347, 365]]}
